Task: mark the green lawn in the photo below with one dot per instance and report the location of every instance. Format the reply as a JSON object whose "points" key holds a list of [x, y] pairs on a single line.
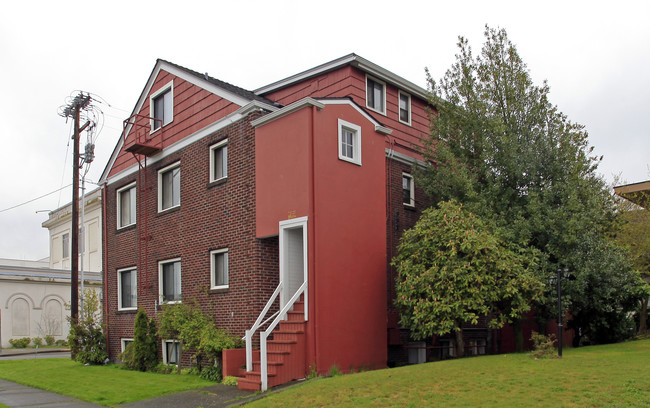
{"points": [[615, 375], [105, 385]]}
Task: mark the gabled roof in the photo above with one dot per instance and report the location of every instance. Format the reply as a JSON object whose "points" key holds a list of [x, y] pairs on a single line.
{"points": [[638, 193], [230, 92], [355, 61]]}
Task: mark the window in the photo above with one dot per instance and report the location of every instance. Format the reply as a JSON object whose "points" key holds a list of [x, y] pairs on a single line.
{"points": [[477, 347], [219, 267], [349, 142], [127, 289], [125, 342], [408, 190], [65, 243], [126, 206], [170, 281], [446, 349], [376, 95], [169, 187], [171, 351], [219, 161], [162, 106], [404, 108], [417, 352]]}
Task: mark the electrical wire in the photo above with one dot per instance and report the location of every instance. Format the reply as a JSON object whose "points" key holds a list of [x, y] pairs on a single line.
{"points": [[34, 199]]}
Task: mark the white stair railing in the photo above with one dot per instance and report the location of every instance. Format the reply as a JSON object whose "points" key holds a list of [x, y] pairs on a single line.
{"points": [[251, 332]]}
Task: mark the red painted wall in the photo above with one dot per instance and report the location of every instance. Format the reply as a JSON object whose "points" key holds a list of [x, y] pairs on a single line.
{"points": [[347, 231]]}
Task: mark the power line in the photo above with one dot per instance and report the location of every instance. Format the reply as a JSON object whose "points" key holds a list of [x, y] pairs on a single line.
{"points": [[34, 199]]}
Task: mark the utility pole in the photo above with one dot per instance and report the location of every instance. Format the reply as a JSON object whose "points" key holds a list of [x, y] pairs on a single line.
{"points": [[80, 102]]}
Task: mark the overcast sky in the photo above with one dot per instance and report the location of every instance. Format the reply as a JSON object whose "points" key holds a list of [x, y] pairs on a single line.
{"points": [[595, 56]]}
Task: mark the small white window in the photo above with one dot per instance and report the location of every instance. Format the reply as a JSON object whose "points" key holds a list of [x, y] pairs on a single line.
{"points": [[125, 342], [171, 351], [169, 187], [126, 210], [408, 190], [219, 161], [349, 142], [127, 289], [404, 108], [162, 106], [219, 267], [169, 281], [65, 243], [376, 95]]}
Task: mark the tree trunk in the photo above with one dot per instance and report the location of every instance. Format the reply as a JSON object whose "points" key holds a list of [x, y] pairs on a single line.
{"points": [[518, 333], [643, 317], [460, 344]]}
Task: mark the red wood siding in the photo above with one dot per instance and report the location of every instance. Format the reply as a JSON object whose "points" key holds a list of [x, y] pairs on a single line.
{"points": [[194, 109]]}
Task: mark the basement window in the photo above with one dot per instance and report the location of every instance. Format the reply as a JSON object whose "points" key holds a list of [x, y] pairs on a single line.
{"points": [[171, 351]]}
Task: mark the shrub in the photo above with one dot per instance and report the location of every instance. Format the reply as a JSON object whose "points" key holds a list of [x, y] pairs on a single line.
{"points": [[162, 368], [145, 346], [335, 371], [543, 346], [49, 340], [230, 380], [20, 343], [61, 343], [87, 339], [211, 373], [38, 341]]}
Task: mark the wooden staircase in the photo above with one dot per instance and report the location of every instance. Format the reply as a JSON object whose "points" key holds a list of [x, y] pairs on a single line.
{"points": [[285, 351]]}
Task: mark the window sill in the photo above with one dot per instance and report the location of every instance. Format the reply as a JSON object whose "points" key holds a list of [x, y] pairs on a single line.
{"points": [[127, 311], [375, 110], [127, 228], [409, 207], [218, 182], [169, 210], [221, 289]]}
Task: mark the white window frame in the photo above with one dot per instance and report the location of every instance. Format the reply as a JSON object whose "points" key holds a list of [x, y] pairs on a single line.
{"points": [[134, 206], [213, 149], [356, 143], [123, 343], [161, 295], [399, 107], [164, 351], [119, 288], [65, 246], [372, 108], [213, 275], [167, 87], [411, 202], [162, 171]]}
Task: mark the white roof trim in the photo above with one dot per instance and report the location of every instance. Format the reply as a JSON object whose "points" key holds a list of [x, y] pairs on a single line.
{"points": [[355, 60], [239, 114], [379, 128], [403, 158], [287, 110]]}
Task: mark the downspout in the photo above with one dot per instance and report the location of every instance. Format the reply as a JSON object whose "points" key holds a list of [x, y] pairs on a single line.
{"points": [[105, 259], [312, 235]]}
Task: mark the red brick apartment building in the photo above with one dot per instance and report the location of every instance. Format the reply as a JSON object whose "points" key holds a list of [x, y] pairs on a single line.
{"points": [[289, 198]]}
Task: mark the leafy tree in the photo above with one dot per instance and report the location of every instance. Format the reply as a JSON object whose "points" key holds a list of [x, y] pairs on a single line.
{"points": [[602, 304], [87, 339], [145, 350], [502, 149], [634, 236], [452, 270], [187, 323]]}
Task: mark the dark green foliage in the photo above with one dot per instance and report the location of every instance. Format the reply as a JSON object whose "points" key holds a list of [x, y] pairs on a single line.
{"points": [[145, 350], [20, 343], [49, 340], [86, 338], [38, 341], [543, 346], [212, 373], [452, 270]]}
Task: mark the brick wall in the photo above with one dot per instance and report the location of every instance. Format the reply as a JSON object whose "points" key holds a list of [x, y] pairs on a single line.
{"points": [[211, 216]]}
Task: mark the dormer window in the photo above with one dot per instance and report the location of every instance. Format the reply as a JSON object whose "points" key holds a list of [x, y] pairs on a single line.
{"points": [[376, 95], [162, 106]]}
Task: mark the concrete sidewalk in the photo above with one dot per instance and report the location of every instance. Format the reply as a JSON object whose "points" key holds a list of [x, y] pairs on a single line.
{"points": [[17, 395]]}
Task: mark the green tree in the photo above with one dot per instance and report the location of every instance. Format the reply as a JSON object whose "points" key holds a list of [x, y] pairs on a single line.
{"points": [[145, 350], [452, 270], [502, 149], [87, 339]]}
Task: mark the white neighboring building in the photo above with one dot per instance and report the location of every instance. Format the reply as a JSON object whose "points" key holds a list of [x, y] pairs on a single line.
{"points": [[35, 295]]}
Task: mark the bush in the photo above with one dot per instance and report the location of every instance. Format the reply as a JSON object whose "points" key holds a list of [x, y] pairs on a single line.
{"points": [[211, 373], [38, 341], [87, 339], [20, 343], [49, 340], [145, 346], [230, 380], [162, 368], [543, 346], [61, 343]]}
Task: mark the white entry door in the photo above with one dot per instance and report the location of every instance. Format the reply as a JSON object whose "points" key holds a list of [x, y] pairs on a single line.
{"points": [[293, 256]]}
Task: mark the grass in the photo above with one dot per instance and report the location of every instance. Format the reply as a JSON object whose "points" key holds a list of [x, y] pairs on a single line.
{"points": [[616, 375], [104, 385]]}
